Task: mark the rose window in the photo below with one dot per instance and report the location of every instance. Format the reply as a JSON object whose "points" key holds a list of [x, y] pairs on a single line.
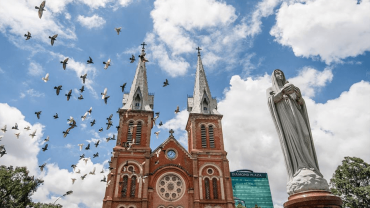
{"points": [[170, 187]]}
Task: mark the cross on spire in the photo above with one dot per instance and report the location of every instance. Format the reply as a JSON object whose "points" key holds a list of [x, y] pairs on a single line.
{"points": [[171, 132], [143, 44], [198, 50]]}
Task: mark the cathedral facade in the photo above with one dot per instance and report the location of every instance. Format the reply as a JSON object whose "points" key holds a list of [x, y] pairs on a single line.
{"points": [[169, 176]]}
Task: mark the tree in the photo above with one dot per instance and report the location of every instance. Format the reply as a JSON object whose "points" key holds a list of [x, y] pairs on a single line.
{"points": [[17, 187], [351, 182]]}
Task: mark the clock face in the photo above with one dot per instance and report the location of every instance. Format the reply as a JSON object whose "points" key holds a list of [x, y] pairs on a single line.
{"points": [[171, 154]]}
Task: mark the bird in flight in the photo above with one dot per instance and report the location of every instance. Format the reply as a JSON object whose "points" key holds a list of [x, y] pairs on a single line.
{"points": [[15, 126], [84, 176], [104, 179], [47, 139], [82, 156], [106, 99], [56, 116], [28, 35], [96, 155], [132, 59], [107, 64], [73, 166], [72, 125], [84, 116], [165, 83], [177, 110], [160, 123], [38, 113], [158, 152], [59, 88], [65, 133], [42, 167], [53, 38], [157, 133], [123, 87], [27, 128], [118, 30], [97, 143], [92, 122], [90, 61], [83, 77], [17, 135], [68, 95], [4, 129], [33, 134], [85, 160], [46, 78], [80, 145], [87, 147], [73, 180], [45, 148], [78, 171], [104, 93], [65, 62], [101, 129], [93, 171], [82, 89], [80, 97], [41, 9], [109, 124]]}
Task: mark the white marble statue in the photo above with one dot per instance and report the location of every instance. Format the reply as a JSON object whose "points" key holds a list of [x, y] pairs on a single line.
{"points": [[289, 113]]}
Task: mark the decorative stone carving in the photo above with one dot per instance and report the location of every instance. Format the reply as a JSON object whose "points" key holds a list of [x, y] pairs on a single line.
{"points": [[289, 113], [171, 187]]}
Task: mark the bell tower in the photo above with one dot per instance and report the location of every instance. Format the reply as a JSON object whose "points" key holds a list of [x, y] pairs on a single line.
{"points": [[205, 144], [130, 160]]}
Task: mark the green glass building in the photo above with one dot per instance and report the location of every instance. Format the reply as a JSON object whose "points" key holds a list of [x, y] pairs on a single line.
{"points": [[251, 189]]}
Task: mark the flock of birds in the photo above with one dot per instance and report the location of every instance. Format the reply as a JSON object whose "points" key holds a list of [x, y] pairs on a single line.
{"points": [[72, 122]]}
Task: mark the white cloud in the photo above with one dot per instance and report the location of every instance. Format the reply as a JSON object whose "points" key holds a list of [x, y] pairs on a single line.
{"points": [[249, 132], [177, 124], [91, 22], [330, 29], [35, 69], [310, 80], [67, 16], [34, 93]]}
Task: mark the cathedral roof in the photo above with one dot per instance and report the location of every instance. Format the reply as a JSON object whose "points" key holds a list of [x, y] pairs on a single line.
{"points": [[138, 98], [202, 101], [170, 138]]}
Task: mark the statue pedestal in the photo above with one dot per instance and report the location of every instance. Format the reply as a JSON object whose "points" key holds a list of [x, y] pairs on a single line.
{"points": [[313, 199]]}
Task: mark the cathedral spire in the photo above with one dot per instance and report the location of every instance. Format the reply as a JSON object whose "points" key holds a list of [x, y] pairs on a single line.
{"points": [[202, 101], [138, 98]]}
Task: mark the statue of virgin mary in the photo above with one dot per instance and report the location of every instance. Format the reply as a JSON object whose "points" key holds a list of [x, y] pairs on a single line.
{"points": [[289, 113]]}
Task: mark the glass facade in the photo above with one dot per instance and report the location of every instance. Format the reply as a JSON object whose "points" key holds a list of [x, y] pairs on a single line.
{"points": [[251, 189]]}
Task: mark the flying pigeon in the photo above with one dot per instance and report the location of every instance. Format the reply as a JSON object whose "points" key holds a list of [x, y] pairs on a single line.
{"points": [[87, 147], [96, 155], [27, 128], [90, 61], [45, 148], [109, 124], [97, 143], [73, 180], [15, 126], [65, 133], [70, 120], [177, 110], [47, 139], [90, 111], [108, 183], [52, 39], [38, 114], [85, 160], [41, 9], [17, 134], [33, 134], [68, 95], [80, 97], [1, 136], [104, 93], [107, 64], [42, 167], [118, 30], [82, 156], [84, 116], [56, 116], [28, 35], [4, 129], [102, 171], [160, 123], [132, 59], [78, 171], [93, 171], [106, 99], [80, 145], [65, 62], [110, 117], [158, 152], [157, 133], [101, 129], [123, 87], [46, 78], [83, 77], [84, 176], [92, 122], [104, 179], [72, 125], [73, 166], [3, 152], [165, 83], [59, 88], [117, 127], [82, 89]]}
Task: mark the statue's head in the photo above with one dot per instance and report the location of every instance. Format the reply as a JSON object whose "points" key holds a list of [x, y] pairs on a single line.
{"points": [[279, 74], [278, 78]]}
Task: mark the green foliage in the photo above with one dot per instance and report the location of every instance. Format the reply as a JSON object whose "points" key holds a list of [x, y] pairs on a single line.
{"points": [[17, 187], [351, 182]]}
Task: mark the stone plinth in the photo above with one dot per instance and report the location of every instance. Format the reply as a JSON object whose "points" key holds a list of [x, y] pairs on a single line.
{"points": [[313, 199]]}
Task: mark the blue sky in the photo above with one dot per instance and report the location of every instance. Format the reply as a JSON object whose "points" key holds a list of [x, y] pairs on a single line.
{"points": [[322, 46]]}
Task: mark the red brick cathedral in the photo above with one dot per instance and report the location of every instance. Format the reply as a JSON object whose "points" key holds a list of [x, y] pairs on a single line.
{"points": [[169, 176]]}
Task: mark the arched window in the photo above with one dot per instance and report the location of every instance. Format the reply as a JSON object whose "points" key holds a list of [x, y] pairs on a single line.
{"points": [[138, 133], [206, 185], [211, 138], [204, 136], [124, 186], [215, 188], [205, 105], [133, 186], [137, 102], [130, 131]]}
